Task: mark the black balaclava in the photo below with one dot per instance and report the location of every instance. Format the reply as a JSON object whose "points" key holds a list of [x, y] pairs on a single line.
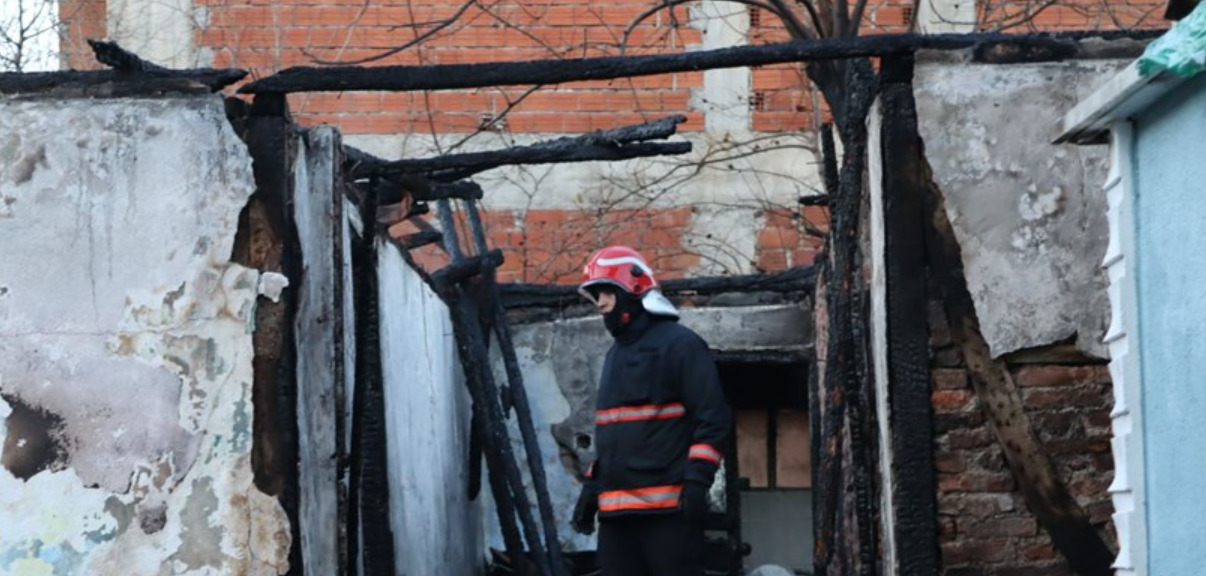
{"points": [[628, 309]]}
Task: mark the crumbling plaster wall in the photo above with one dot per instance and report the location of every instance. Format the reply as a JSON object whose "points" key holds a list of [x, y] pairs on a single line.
{"points": [[1029, 215], [436, 528], [125, 343], [562, 361]]}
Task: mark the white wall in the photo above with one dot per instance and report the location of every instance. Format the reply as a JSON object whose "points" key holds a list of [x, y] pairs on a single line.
{"points": [[126, 343], [436, 528]]}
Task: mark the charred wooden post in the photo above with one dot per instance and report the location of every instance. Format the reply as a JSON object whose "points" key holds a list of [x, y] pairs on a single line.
{"points": [[267, 240], [912, 426], [370, 533], [841, 548], [505, 482], [544, 72], [519, 400], [1046, 494]]}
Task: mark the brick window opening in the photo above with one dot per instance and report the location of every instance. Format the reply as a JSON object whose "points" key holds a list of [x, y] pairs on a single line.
{"points": [[755, 17], [906, 15]]}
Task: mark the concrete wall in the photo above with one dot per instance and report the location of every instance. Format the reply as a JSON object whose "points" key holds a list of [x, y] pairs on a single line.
{"points": [[562, 362], [1171, 274], [1029, 216], [125, 343], [436, 528]]}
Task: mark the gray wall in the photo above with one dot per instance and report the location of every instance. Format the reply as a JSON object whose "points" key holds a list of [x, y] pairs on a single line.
{"points": [[125, 343], [1170, 234], [436, 528], [1029, 216]]}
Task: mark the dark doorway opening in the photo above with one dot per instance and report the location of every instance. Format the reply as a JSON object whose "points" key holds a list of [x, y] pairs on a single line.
{"points": [[771, 471]]}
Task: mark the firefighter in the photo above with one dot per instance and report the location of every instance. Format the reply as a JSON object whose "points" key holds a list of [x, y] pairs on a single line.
{"points": [[660, 424]]}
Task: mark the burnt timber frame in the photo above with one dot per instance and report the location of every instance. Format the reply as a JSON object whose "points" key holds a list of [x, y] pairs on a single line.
{"points": [[912, 422], [540, 72]]}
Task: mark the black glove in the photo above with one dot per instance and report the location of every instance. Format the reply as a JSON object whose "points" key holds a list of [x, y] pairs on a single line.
{"points": [[695, 501], [586, 509]]}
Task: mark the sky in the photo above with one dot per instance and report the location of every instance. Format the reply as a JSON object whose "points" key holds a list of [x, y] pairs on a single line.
{"points": [[41, 56]]}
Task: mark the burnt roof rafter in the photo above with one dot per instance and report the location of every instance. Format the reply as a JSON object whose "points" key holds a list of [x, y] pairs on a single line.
{"points": [[556, 71], [604, 145]]}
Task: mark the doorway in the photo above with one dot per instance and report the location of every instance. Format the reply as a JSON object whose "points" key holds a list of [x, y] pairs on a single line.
{"points": [[773, 464]]}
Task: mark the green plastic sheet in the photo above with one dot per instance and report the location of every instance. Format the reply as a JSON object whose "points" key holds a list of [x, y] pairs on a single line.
{"points": [[1181, 51]]}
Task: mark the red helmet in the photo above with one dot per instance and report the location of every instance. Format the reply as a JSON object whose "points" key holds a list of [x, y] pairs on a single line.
{"points": [[618, 266], [626, 269]]}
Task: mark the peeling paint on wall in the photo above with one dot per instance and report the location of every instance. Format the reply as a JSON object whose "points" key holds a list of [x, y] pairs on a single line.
{"points": [[125, 343], [1029, 215]]}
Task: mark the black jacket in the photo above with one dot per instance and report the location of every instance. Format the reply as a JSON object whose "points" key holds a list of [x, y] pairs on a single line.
{"points": [[661, 418]]}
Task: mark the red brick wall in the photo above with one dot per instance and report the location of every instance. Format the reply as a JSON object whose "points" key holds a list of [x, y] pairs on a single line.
{"points": [[985, 528], [81, 19], [552, 245]]}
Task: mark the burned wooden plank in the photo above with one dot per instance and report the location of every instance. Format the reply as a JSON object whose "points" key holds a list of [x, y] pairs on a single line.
{"points": [[798, 279], [914, 485], [422, 238], [131, 76], [461, 270], [1047, 497], [317, 211], [370, 530], [519, 400], [393, 189], [114, 56], [544, 72], [111, 84], [599, 143], [586, 153]]}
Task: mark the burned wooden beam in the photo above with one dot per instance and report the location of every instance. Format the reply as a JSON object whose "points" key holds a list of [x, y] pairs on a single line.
{"points": [[114, 84], [544, 72], [528, 155], [130, 76], [799, 279], [422, 238], [461, 270], [599, 142], [914, 484], [114, 56], [393, 189]]}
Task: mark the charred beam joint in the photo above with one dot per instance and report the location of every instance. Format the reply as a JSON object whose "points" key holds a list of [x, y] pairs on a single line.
{"points": [[422, 238], [453, 274]]}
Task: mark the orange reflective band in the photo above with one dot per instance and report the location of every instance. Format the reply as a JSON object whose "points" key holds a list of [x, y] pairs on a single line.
{"points": [[638, 413], [705, 452], [654, 498]]}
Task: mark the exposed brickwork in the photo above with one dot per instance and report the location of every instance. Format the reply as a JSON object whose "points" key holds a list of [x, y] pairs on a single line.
{"points": [[552, 245], [81, 19], [985, 526]]}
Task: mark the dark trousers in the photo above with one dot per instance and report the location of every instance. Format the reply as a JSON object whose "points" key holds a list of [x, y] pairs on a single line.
{"points": [[651, 545]]}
